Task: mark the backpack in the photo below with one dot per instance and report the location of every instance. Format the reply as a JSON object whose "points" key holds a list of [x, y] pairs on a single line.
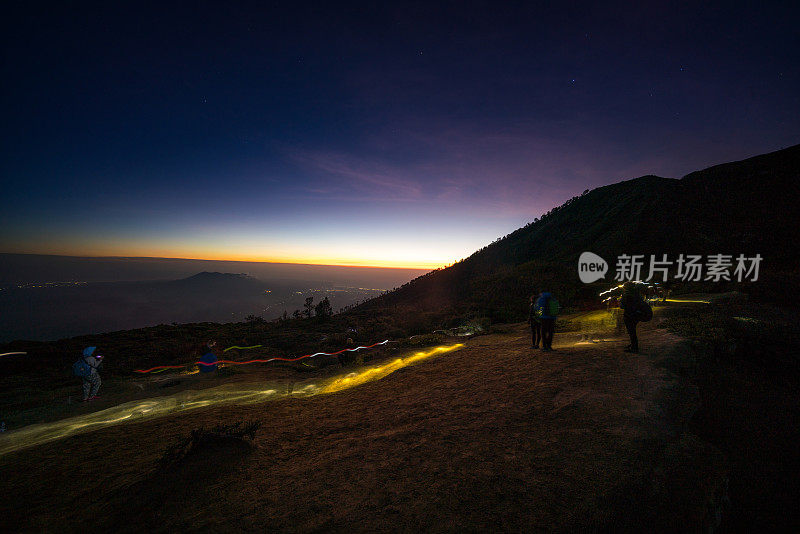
{"points": [[81, 369], [644, 312], [552, 307]]}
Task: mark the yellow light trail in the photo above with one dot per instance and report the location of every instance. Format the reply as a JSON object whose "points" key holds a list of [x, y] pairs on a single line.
{"points": [[140, 410], [694, 301], [376, 373]]}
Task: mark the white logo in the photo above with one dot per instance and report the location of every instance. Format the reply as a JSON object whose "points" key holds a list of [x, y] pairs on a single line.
{"points": [[591, 267]]}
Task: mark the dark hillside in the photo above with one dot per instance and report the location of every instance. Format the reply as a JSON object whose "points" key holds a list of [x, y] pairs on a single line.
{"points": [[751, 205], [745, 207]]}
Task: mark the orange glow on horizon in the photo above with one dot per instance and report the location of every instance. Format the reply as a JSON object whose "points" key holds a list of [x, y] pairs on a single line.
{"points": [[358, 254], [109, 252], [334, 262]]}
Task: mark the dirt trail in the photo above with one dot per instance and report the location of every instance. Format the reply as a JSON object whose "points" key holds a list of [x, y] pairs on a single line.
{"points": [[495, 436]]}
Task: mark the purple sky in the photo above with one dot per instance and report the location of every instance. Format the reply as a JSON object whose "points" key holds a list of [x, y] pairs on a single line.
{"points": [[376, 134]]}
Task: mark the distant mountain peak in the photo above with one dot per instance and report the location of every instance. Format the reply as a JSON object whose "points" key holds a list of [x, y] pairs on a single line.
{"points": [[217, 279]]}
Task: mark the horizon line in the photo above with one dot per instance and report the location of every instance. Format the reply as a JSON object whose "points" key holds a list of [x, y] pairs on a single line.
{"points": [[320, 263]]}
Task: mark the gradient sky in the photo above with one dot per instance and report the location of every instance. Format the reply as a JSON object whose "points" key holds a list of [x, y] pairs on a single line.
{"points": [[376, 134]]}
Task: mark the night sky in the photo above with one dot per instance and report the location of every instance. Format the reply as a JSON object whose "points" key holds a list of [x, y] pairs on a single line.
{"points": [[373, 134]]}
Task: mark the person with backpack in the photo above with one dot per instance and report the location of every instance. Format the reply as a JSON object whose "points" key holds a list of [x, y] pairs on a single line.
{"points": [[535, 322], [209, 358], [547, 309], [635, 310], [86, 368]]}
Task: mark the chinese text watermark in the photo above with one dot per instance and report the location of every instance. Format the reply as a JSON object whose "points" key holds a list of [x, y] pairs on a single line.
{"points": [[686, 267]]}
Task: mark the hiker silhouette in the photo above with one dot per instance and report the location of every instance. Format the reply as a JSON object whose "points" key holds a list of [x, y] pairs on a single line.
{"points": [[86, 368], [536, 324], [631, 301], [209, 358], [547, 309]]}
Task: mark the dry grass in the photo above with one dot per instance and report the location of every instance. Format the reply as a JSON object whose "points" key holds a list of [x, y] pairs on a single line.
{"points": [[495, 437]]}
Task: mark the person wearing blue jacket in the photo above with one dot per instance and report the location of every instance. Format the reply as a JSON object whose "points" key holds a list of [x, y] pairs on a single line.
{"points": [[91, 382], [548, 320], [209, 358]]}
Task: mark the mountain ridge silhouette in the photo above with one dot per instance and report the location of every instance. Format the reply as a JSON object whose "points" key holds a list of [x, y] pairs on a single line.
{"points": [[744, 207]]}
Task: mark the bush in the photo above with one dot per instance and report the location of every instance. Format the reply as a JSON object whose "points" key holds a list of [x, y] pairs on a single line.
{"points": [[751, 334]]}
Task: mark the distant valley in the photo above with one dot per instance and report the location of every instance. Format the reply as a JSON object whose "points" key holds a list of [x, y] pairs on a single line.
{"points": [[52, 310]]}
